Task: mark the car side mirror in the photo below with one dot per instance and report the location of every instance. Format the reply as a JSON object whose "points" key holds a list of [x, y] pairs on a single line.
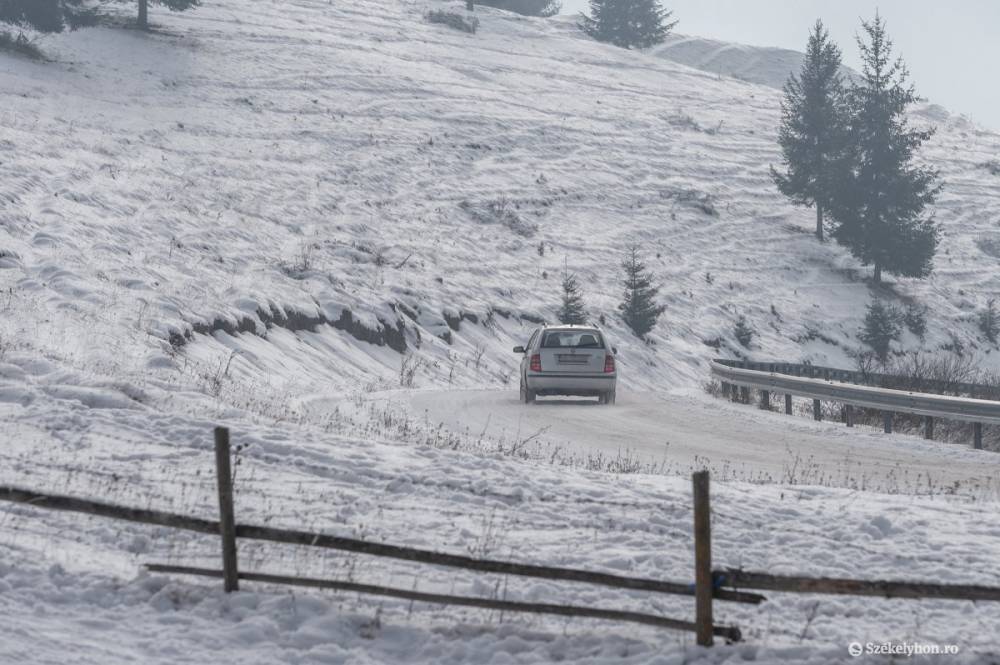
{"points": [[518, 349]]}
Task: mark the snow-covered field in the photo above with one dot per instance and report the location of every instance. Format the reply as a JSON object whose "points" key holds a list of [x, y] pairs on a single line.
{"points": [[204, 225]]}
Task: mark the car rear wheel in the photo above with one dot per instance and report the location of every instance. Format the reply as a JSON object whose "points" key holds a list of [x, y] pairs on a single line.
{"points": [[527, 396], [606, 398]]}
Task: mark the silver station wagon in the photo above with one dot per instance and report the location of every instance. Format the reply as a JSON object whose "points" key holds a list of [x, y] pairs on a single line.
{"points": [[568, 360]]}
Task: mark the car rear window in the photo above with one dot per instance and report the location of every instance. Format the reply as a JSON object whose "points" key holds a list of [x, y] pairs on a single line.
{"points": [[575, 339]]}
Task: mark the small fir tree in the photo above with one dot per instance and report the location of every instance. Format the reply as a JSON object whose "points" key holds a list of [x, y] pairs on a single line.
{"points": [[813, 134], [572, 311], [989, 321], [628, 23], [915, 319], [743, 332], [880, 212], [882, 325], [639, 308]]}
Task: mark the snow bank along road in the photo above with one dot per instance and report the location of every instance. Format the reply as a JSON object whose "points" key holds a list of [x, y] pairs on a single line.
{"points": [[69, 586], [689, 430]]}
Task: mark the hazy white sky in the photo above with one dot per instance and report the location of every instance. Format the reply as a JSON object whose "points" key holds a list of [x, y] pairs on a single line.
{"points": [[950, 46]]}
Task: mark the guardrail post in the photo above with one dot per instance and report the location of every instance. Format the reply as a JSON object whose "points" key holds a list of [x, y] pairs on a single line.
{"points": [[788, 405], [745, 395], [849, 415], [817, 410], [887, 421], [702, 559], [765, 400], [227, 519], [977, 436], [928, 427], [725, 389]]}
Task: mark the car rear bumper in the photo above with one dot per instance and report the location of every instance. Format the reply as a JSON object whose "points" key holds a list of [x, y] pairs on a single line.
{"points": [[553, 383]]}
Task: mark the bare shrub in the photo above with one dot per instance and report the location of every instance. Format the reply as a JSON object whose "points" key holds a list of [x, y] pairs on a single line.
{"points": [[500, 210], [454, 20], [409, 365], [20, 44]]}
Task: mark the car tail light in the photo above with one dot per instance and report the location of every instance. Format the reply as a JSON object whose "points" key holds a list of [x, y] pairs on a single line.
{"points": [[609, 364], [536, 363]]}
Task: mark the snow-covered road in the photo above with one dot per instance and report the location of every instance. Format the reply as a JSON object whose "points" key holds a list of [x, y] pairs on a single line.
{"points": [[687, 430]]}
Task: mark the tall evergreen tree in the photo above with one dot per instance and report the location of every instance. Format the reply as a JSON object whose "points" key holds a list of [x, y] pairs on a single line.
{"points": [[172, 5], [628, 23], [880, 213], [40, 15], [46, 15], [813, 134], [572, 311], [639, 308]]}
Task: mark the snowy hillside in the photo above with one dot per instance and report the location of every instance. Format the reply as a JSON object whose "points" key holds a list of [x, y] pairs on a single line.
{"points": [[325, 224], [753, 64], [357, 165]]}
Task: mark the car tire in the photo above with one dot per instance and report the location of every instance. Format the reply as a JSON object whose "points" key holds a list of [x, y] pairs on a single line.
{"points": [[608, 398], [527, 396]]}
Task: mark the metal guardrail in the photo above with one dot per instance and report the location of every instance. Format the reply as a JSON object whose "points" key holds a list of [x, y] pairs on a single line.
{"points": [[875, 379], [976, 411]]}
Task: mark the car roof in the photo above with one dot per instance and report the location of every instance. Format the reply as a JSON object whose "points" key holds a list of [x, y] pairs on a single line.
{"points": [[571, 328]]}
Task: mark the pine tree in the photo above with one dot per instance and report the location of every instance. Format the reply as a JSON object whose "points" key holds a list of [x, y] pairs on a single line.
{"points": [[989, 321], [883, 324], [628, 23], [639, 308], [744, 332], [40, 15], [526, 7], [172, 5], [46, 15], [813, 134], [880, 211], [572, 311]]}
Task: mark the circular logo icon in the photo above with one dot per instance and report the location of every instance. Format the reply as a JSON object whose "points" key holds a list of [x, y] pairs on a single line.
{"points": [[854, 648]]}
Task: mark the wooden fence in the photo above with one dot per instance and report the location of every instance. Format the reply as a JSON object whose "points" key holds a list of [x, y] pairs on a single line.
{"points": [[710, 585]]}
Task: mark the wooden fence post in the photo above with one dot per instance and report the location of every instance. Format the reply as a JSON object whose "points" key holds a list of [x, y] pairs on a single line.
{"points": [[702, 559], [788, 405], [977, 436], [227, 518]]}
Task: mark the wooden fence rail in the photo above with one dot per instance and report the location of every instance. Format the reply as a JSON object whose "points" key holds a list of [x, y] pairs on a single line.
{"points": [[742, 579], [708, 584], [311, 539], [731, 633]]}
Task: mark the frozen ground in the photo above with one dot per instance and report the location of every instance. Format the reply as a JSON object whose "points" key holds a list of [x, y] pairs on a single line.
{"points": [[285, 163], [68, 584]]}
